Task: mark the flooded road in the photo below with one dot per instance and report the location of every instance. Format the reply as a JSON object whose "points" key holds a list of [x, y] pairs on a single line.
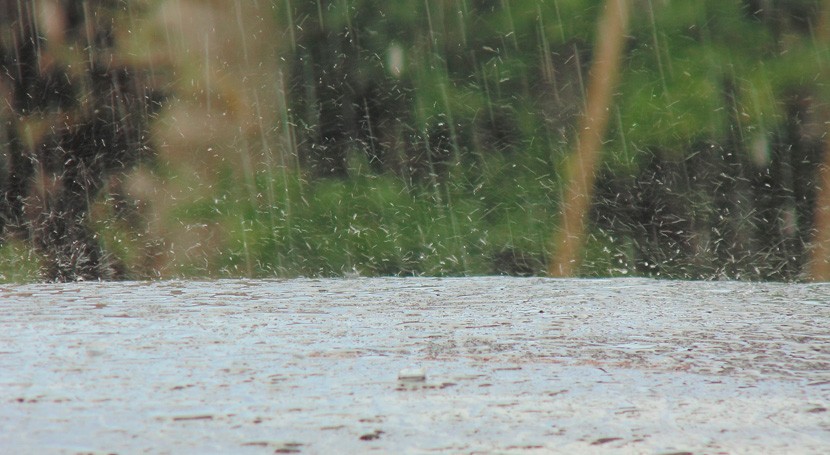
{"points": [[415, 365]]}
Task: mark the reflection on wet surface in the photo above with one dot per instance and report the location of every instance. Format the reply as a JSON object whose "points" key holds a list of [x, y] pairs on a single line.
{"points": [[421, 365]]}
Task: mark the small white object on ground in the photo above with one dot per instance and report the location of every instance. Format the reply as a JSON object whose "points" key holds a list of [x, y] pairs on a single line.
{"points": [[412, 375]]}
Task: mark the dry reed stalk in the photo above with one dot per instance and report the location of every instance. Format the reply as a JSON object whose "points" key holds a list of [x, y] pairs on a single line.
{"points": [[580, 167], [819, 267]]}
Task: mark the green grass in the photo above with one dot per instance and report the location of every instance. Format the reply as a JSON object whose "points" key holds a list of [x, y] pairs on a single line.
{"points": [[18, 263], [377, 225]]}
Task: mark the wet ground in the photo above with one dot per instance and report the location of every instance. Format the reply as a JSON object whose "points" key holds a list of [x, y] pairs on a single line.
{"points": [[438, 366]]}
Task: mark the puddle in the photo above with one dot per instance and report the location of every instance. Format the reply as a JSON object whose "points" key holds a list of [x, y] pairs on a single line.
{"points": [[346, 366]]}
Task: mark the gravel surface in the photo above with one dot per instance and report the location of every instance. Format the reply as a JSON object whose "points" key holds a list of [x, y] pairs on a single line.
{"points": [[415, 365]]}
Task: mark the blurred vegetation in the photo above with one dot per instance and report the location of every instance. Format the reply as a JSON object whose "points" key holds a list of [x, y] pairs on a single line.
{"points": [[427, 137]]}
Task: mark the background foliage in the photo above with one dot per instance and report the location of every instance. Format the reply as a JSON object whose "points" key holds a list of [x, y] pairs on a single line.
{"points": [[312, 137]]}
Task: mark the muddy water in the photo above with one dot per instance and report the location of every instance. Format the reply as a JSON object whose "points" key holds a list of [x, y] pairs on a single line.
{"points": [[466, 365]]}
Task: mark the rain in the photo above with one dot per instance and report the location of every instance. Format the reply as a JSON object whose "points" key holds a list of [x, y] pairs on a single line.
{"points": [[176, 138], [451, 226]]}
